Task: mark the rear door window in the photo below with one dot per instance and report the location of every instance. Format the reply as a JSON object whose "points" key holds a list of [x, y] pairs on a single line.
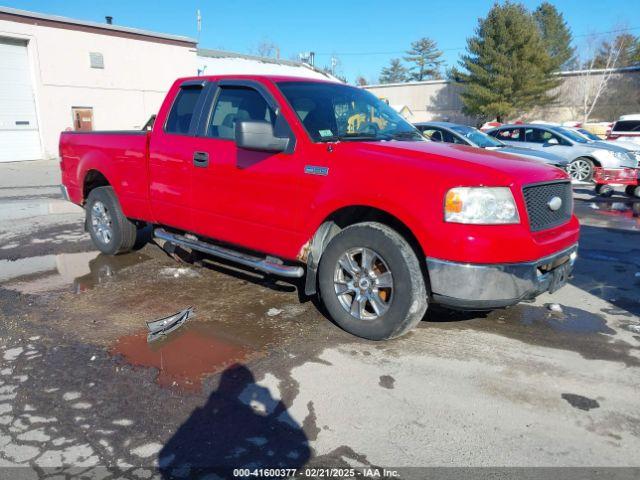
{"points": [[182, 112], [536, 135], [510, 135]]}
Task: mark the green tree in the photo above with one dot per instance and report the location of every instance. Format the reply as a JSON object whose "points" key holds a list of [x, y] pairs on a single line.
{"points": [[394, 73], [623, 51], [635, 56], [424, 58], [556, 35], [506, 68]]}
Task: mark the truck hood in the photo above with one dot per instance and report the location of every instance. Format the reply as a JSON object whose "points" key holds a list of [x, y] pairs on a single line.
{"points": [[468, 164]]}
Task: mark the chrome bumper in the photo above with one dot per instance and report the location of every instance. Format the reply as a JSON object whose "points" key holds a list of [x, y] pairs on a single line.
{"points": [[65, 193], [487, 286]]}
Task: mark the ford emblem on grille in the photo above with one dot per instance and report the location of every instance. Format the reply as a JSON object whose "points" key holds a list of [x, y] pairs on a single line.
{"points": [[554, 204]]}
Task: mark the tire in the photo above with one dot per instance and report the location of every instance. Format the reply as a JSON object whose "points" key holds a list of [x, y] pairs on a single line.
{"points": [[112, 233], [633, 190], [581, 169], [394, 310], [604, 190]]}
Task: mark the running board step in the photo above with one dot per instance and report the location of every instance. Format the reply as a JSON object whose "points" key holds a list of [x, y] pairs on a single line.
{"points": [[261, 264]]}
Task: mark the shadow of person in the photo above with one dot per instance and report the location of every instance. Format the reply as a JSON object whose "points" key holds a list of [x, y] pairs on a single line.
{"points": [[240, 426]]}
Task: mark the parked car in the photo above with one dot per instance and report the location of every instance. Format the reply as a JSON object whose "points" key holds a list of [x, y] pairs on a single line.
{"points": [[268, 172], [627, 128], [583, 155], [465, 135], [626, 144]]}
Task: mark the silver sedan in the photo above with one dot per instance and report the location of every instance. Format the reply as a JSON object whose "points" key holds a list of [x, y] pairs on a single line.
{"points": [[462, 134], [581, 153]]}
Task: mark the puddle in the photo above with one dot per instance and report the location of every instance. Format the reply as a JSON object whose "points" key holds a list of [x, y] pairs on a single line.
{"points": [[620, 215], [627, 209], [80, 271], [186, 356], [574, 330], [572, 320], [629, 257]]}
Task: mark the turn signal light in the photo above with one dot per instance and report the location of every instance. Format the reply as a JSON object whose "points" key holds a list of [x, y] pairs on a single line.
{"points": [[453, 202]]}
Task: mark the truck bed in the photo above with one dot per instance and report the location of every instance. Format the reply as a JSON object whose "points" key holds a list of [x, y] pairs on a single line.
{"points": [[119, 156]]}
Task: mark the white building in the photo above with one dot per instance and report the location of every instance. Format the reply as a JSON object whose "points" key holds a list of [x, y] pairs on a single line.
{"points": [[58, 73]]}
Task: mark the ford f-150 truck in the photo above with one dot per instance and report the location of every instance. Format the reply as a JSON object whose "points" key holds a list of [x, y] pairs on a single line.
{"points": [[270, 172]]}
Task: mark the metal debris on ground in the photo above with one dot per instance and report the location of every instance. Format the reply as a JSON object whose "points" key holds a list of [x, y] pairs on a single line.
{"points": [[554, 307], [162, 327]]}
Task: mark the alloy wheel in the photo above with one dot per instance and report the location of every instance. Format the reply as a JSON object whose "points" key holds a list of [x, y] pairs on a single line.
{"points": [[363, 283], [579, 170], [101, 222]]}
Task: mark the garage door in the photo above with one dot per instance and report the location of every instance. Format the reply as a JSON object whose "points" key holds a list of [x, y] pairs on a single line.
{"points": [[19, 138]]}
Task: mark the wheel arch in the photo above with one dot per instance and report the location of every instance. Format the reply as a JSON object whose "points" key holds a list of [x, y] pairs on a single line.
{"points": [[341, 218], [589, 157], [93, 178]]}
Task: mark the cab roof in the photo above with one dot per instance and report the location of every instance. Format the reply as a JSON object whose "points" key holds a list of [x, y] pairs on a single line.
{"points": [[259, 78]]}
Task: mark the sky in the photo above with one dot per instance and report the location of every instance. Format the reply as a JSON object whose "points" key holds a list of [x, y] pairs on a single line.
{"points": [[363, 35]]}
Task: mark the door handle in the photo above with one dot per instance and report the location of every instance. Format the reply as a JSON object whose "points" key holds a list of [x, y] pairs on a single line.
{"points": [[201, 159]]}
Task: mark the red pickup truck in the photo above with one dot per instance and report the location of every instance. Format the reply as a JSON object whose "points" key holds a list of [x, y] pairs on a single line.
{"points": [[303, 178]]}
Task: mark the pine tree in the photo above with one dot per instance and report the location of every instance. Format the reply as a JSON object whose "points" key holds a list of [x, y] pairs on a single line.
{"points": [[635, 54], [555, 34], [425, 59], [506, 67], [394, 73]]}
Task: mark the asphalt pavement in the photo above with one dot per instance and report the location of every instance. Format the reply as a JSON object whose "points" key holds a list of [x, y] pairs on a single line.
{"points": [[260, 377]]}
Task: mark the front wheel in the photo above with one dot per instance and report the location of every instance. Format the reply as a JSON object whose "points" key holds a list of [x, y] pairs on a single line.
{"points": [[581, 169], [633, 190], [371, 282]]}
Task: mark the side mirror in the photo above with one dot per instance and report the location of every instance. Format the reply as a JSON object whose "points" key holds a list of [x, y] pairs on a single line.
{"points": [[258, 135]]}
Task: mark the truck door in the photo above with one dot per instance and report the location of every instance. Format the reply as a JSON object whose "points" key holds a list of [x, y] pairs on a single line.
{"points": [[171, 156], [245, 197]]}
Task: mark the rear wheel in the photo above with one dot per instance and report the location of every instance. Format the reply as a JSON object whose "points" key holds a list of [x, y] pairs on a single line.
{"points": [[581, 169], [371, 282], [110, 230]]}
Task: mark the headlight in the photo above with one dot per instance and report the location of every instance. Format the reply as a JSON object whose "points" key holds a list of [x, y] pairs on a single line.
{"points": [[623, 156], [480, 205]]}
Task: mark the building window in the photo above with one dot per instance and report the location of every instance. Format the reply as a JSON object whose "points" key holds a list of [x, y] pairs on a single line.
{"points": [[96, 59]]}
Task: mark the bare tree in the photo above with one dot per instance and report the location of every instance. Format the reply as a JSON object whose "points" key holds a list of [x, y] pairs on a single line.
{"points": [[267, 48], [590, 86]]}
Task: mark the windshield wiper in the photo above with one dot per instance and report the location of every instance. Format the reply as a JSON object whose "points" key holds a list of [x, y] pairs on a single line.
{"points": [[355, 137]]}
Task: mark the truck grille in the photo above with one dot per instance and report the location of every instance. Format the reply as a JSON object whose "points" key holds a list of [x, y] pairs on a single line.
{"points": [[538, 199]]}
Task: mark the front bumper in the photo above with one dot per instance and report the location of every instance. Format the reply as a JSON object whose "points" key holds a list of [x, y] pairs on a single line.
{"points": [[487, 286]]}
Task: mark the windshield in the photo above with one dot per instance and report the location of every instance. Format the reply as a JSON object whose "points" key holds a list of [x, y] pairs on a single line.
{"points": [[576, 137], [476, 137], [331, 112], [589, 135]]}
